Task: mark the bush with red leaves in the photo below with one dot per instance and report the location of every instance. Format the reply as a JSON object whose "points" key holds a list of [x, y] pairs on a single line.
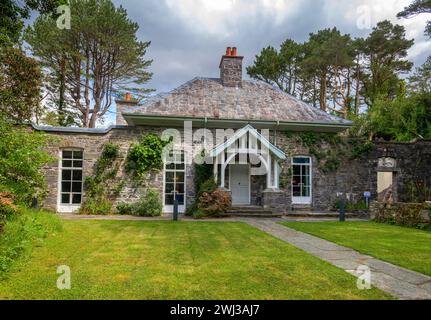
{"points": [[215, 203]]}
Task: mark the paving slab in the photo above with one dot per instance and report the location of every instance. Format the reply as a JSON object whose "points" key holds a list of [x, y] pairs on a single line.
{"points": [[399, 282]]}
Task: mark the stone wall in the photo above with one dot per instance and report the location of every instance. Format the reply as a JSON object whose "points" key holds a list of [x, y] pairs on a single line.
{"points": [[354, 176], [92, 145], [402, 214]]}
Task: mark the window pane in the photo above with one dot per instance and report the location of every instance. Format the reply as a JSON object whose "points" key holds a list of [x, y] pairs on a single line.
{"points": [[180, 166], [169, 199], [296, 180], [77, 164], [67, 164], [76, 198], [66, 175], [77, 155], [67, 154], [170, 166], [170, 176], [65, 198], [169, 188], [66, 186], [179, 188], [296, 170], [179, 177], [306, 180], [306, 191], [77, 175], [77, 187], [306, 170], [297, 191], [301, 160]]}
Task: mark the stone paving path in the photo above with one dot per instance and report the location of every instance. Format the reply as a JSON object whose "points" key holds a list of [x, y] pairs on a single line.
{"points": [[399, 282]]}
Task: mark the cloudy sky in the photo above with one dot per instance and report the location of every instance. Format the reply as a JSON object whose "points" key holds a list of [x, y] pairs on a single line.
{"points": [[189, 36]]}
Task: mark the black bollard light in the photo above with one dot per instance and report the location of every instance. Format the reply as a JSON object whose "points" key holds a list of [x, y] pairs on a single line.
{"points": [[175, 210], [342, 210]]}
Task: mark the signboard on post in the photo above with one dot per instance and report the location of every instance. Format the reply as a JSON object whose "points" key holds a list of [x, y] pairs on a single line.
{"points": [[367, 196]]}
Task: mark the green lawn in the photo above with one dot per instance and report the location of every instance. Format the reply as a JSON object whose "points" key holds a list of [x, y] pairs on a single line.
{"points": [[406, 247], [184, 260]]}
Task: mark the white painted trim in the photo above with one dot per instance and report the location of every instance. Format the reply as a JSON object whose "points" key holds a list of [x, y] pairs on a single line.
{"points": [[249, 183], [303, 200], [239, 134], [170, 208], [68, 208]]}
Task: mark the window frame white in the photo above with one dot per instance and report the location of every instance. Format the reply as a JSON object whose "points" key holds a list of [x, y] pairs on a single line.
{"points": [[302, 200], [70, 207], [168, 208]]}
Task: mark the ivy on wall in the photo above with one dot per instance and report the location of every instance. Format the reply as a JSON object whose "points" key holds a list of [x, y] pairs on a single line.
{"points": [[146, 155], [329, 158], [98, 197], [104, 187]]}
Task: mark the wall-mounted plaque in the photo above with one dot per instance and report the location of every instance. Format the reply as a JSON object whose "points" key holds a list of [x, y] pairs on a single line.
{"points": [[388, 163]]}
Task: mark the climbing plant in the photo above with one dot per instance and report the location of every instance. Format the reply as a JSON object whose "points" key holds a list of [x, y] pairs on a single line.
{"points": [[338, 146], [146, 155], [98, 198]]}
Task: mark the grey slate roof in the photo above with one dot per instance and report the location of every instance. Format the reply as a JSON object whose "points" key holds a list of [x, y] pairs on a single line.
{"points": [[256, 100]]}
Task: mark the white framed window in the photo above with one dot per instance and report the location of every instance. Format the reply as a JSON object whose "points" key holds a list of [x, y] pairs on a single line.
{"points": [[174, 182], [301, 180], [71, 180]]}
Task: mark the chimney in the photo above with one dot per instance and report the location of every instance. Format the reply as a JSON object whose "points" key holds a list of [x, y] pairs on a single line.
{"points": [[124, 104], [231, 69]]}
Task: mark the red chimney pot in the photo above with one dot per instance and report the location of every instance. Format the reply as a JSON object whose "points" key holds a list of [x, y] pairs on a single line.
{"points": [[234, 51], [228, 51], [128, 96]]}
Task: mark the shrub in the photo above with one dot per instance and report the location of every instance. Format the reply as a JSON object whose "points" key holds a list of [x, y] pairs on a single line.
{"points": [[350, 206], [124, 208], [199, 214], [99, 205], [205, 187], [21, 158], [215, 203], [7, 206], [148, 205]]}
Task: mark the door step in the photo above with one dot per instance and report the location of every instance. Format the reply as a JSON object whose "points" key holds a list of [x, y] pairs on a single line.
{"points": [[301, 207]]}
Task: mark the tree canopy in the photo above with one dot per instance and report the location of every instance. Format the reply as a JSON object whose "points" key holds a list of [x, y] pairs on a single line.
{"points": [[415, 8], [85, 66]]}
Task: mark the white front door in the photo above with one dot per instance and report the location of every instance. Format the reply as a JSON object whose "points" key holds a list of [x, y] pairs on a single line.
{"points": [[239, 183]]}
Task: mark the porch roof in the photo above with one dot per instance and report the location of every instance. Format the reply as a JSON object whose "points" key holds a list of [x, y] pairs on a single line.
{"points": [[240, 133]]}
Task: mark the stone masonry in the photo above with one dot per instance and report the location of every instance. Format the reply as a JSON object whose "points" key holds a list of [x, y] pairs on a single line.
{"points": [[352, 177]]}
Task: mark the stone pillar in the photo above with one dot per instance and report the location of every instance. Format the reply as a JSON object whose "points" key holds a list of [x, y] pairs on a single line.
{"points": [[275, 200]]}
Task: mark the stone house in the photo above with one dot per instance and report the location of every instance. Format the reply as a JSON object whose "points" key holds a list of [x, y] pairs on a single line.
{"points": [[250, 132]]}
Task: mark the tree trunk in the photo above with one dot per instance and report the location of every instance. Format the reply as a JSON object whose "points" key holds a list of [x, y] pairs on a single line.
{"points": [[323, 88]]}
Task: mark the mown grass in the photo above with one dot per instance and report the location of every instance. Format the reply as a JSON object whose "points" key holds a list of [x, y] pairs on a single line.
{"points": [[22, 233], [184, 260], [406, 247]]}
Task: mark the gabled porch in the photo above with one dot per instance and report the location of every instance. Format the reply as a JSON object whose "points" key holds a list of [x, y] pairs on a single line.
{"points": [[248, 165]]}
